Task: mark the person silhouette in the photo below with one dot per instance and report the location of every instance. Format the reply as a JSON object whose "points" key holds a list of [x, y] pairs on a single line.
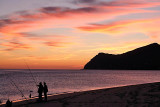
{"points": [[30, 95], [8, 103], [40, 90], [45, 90]]}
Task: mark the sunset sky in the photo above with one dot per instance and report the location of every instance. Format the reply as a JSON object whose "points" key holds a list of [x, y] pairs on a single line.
{"points": [[66, 34]]}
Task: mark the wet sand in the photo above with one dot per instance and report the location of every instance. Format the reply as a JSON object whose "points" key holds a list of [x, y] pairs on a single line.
{"points": [[142, 95]]}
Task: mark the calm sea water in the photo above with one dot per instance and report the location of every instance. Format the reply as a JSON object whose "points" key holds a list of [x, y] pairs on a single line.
{"points": [[59, 81]]}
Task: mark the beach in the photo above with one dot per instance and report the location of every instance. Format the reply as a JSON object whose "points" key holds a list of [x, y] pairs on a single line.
{"points": [[141, 95]]}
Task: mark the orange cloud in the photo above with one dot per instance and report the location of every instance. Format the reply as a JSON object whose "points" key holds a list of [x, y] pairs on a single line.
{"points": [[57, 44], [47, 37], [154, 36], [14, 46], [114, 26]]}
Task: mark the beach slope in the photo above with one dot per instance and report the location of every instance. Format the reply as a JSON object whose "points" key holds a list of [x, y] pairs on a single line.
{"points": [[142, 95]]}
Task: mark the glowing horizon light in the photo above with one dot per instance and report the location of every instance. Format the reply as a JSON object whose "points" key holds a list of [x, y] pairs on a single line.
{"points": [[67, 34]]}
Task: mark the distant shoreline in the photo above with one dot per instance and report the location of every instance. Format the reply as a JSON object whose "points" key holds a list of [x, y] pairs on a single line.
{"points": [[40, 69], [125, 69], [132, 95]]}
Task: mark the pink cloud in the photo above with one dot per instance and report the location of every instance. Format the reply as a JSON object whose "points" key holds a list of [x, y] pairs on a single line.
{"points": [[110, 26], [117, 25], [57, 43], [10, 46]]}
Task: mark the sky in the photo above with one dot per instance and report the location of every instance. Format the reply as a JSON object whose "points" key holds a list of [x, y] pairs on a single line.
{"points": [[66, 34]]}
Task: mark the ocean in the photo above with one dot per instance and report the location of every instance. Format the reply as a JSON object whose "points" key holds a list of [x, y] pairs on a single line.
{"points": [[13, 82]]}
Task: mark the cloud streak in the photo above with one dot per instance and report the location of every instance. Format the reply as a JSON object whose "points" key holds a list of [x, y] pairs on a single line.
{"points": [[10, 46], [57, 44], [119, 3], [115, 26]]}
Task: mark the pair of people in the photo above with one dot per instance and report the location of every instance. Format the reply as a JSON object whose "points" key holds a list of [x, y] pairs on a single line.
{"points": [[42, 89], [8, 103]]}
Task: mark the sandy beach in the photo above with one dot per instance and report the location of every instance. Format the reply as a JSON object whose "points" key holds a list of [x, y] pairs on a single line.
{"points": [[142, 95]]}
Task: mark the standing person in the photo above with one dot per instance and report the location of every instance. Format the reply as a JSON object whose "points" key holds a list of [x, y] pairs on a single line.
{"points": [[8, 103], [40, 90], [45, 91]]}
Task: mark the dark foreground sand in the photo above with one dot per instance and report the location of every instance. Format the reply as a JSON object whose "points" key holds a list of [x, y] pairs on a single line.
{"points": [[143, 95]]}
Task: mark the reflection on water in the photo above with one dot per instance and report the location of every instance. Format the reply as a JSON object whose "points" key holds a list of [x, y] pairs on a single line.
{"points": [[59, 81]]}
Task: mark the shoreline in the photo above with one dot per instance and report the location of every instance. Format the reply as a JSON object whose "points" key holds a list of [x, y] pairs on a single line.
{"points": [[135, 95]]}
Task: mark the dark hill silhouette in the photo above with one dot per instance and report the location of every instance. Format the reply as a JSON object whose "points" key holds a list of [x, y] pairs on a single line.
{"points": [[143, 58]]}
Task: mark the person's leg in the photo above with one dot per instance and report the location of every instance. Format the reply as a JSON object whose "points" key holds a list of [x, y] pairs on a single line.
{"points": [[45, 95], [40, 97]]}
